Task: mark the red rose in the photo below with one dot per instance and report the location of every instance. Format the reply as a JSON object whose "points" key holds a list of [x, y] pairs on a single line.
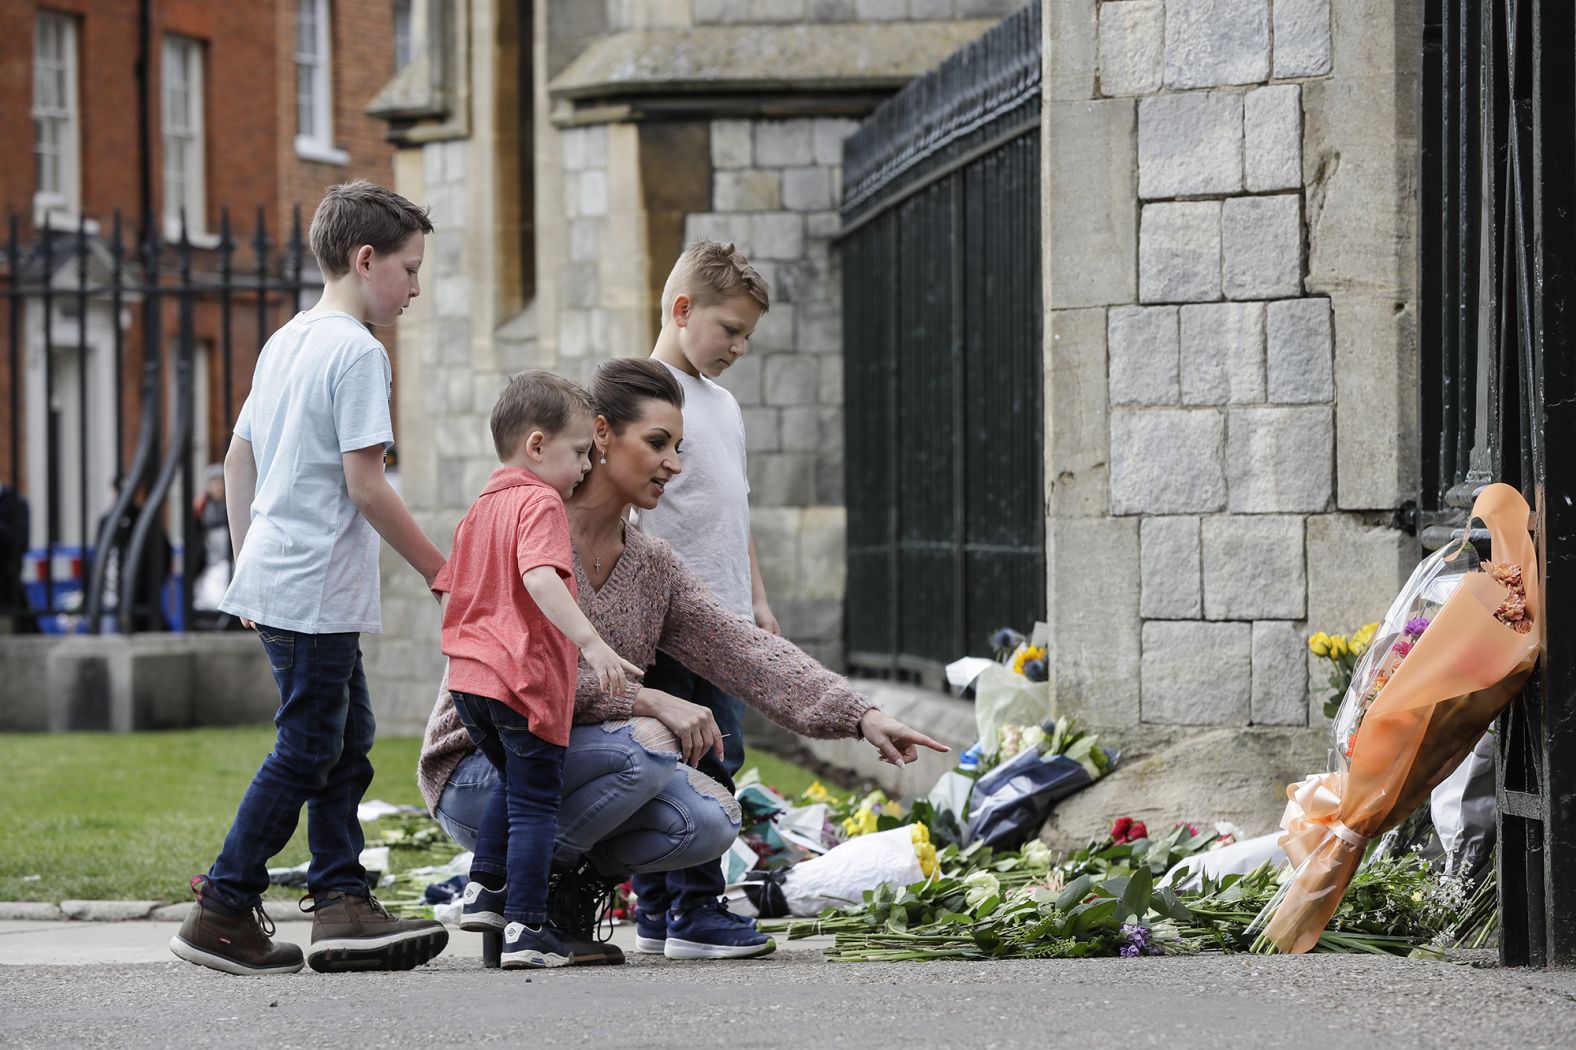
{"points": [[1120, 828], [1138, 831]]}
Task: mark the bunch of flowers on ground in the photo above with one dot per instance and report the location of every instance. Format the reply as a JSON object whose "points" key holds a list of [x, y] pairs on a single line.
{"points": [[1109, 899], [1015, 652], [851, 814], [1055, 736]]}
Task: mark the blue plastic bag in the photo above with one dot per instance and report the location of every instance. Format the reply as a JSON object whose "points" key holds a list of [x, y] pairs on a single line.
{"points": [[1010, 803]]}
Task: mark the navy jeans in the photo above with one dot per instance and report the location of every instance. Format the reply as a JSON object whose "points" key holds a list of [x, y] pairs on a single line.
{"points": [[686, 887], [325, 731], [515, 839]]}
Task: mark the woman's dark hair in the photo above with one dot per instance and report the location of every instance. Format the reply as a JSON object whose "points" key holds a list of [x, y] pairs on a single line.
{"points": [[621, 385]]}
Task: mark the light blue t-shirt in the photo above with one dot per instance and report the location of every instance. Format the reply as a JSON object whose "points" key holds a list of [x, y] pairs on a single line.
{"points": [[310, 560]]}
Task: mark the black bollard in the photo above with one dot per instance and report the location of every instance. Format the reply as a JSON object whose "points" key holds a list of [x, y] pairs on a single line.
{"points": [[492, 949]]}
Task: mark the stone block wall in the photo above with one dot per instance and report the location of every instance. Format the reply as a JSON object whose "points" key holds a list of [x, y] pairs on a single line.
{"points": [[644, 14], [1230, 259], [775, 188], [774, 185], [604, 204], [456, 349]]}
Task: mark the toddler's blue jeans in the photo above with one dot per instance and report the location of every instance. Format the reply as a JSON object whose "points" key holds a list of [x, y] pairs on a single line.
{"points": [[515, 839]]}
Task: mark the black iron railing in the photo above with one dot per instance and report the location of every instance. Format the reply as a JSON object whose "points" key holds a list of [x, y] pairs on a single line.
{"points": [[85, 308], [942, 356], [1498, 388]]}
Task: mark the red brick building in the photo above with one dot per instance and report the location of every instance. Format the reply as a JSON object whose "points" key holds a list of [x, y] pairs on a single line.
{"points": [[259, 104]]}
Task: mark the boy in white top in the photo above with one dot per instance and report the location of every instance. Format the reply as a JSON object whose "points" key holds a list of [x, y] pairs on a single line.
{"points": [[307, 502], [711, 304]]}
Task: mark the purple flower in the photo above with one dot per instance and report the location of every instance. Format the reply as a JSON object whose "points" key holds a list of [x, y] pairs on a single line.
{"points": [[1137, 941], [1034, 670], [1415, 627], [1005, 638]]}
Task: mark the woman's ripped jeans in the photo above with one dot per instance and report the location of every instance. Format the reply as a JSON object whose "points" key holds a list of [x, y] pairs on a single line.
{"points": [[629, 803]]}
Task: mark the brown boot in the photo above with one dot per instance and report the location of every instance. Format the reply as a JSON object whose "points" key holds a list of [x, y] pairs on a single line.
{"points": [[239, 944], [358, 933]]}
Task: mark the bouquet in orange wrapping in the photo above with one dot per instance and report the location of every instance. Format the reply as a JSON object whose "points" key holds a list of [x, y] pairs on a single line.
{"points": [[1456, 645]]}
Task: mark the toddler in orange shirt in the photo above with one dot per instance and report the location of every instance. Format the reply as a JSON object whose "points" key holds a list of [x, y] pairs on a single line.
{"points": [[514, 635]]}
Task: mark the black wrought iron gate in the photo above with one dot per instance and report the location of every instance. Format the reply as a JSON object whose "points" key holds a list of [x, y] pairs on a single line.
{"points": [[942, 358], [1498, 386]]}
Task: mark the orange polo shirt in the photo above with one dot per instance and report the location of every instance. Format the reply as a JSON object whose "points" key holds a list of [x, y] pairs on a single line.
{"points": [[498, 642]]}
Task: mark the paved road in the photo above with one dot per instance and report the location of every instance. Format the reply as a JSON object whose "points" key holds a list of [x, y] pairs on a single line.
{"points": [[107, 984]]}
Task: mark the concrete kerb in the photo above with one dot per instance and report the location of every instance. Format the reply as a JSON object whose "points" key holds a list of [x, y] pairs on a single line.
{"points": [[111, 911]]}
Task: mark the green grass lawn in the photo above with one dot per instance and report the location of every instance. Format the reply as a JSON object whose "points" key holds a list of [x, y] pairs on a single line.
{"points": [[789, 780], [135, 815]]}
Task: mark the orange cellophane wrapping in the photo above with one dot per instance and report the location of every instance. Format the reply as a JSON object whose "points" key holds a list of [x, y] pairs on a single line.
{"points": [[1461, 673]]}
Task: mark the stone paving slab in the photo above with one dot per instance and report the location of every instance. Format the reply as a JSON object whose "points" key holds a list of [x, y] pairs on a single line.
{"points": [[119, 911], [68, 943], [107, 911]]}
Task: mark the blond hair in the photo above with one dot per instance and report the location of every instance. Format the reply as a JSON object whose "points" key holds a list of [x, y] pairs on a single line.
{"points": [[710, 272], [535, 400], [360, 212]]}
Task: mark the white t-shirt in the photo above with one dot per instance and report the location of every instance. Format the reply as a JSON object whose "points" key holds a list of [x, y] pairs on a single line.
{"points": [[310, 560], [704, 514]]}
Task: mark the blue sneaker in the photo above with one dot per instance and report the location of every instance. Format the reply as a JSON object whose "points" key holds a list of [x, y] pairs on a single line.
{"points": [[711, 931], [482, 910], [531, 947], [651, 931]]}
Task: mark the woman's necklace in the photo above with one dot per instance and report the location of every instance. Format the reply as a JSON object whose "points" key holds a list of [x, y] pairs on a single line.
{"points": [[597, 560]]}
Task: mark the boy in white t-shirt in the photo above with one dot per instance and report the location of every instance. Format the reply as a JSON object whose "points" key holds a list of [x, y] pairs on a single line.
{"points": [[711, 304], [307, 501]]}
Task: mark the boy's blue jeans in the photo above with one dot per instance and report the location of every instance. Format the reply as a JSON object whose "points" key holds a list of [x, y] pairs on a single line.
{"points": [[687, 887], [325, 730], [515, 839]]}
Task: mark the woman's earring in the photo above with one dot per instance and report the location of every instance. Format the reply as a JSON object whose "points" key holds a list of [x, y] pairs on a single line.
{"points": [[603, 460]]}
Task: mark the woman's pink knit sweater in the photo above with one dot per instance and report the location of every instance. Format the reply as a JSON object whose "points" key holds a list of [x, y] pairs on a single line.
{"points": [[652, 601]]}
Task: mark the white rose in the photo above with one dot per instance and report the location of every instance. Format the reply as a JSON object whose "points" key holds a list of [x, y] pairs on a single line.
{"points": [[980, 887]]}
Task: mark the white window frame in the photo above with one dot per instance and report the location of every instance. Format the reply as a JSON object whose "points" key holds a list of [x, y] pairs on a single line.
{"points": [[183, 55], [63, 204], [315, 69]]}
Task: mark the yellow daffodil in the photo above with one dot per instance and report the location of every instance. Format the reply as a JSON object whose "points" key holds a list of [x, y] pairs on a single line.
{"points": [[1363, 638], [919, 832], [817, 792], [925, 853], [893, 809], [863, 822], [1319, 644]]}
